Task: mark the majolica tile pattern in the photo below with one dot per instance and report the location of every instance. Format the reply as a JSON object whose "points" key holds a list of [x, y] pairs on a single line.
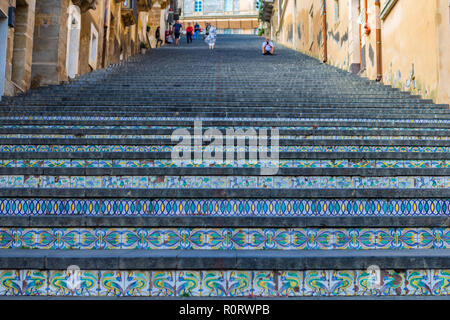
{"points": [[229, 283], [225, 238], [226, 207], [137, 127], [94, 163], [192, 119], [226, 182], [159, 148], [300, 137]]}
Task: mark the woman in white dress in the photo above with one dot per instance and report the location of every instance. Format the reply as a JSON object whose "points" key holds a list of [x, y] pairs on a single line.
{"points": [[211, 38]]}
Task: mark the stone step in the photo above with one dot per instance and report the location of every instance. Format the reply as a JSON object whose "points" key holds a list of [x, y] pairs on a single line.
{"points": [[317, 119], [222, 103], [130, 115], [195, 222], [87, 179], [123, 259], [166, 133], [314, 141], [164, 123], [247, 111], [57, 128], [221, 193]]}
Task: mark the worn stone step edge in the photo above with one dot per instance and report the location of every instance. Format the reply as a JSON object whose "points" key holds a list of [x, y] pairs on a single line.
{"points": [[225, 193], [282, 142], [353, 115], [270, 131], [224, 222], [122, 259], [357, 156], [179, 120], [202, 171], [227, 123]]}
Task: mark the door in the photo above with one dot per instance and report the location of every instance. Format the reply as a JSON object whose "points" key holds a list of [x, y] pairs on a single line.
{"points": [[3, 45], [73, 40]]}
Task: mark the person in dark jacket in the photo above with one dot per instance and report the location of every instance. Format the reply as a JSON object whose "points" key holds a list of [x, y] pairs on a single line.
{"points": [[158, 37]]}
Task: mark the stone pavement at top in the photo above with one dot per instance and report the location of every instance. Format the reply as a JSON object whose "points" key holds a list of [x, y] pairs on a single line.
{"points": [[363, 180]]}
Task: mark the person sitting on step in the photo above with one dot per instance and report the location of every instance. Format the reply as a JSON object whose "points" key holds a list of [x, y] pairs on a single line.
{"points": [[268, 47]]}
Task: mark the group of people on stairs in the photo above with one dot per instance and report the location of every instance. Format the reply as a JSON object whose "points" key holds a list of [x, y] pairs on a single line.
{"points": [[268, 47]]}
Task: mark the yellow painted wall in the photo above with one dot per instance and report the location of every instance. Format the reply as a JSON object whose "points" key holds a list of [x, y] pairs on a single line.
{"points": [[304, 41], [409, 37], [416, 35], [338, 35], [4, 4], [443, 27]]}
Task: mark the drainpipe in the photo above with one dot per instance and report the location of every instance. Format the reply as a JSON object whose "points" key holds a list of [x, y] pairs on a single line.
{"points": [[366, 26], [379, 60], [324, 31]]}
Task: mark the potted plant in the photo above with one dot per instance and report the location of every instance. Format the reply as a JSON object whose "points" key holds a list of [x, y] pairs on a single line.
{"points": [[143, 47]]}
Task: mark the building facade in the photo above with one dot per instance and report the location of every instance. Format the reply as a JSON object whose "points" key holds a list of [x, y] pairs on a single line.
{"points": [[47, 42], [228, 16], [16, 45], [404, 45]]}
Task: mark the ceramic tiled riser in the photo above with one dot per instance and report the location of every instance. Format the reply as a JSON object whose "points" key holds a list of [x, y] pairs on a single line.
{"points": [[225, 238], [226, 208], [281, 137], [228, 283], [197, 182], [370, 164], [159, 148]]}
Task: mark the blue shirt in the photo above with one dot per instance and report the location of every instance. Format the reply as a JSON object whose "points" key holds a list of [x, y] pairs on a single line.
{"points": [[177, 27]]}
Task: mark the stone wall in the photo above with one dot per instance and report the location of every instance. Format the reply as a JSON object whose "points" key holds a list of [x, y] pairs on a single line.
{"points": [[49, 43], [18, 46], [41, 50]]}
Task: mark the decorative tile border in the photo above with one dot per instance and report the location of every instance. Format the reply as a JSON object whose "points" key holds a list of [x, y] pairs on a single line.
{"points": [[141, 127], [192, 119], [226, 207], [160, 148], [228, 283], [225, 182], [312, 136], [225, 238], [123, 163]]}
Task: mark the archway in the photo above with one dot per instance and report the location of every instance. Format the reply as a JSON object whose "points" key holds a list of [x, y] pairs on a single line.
{"points": [[73, 40]]}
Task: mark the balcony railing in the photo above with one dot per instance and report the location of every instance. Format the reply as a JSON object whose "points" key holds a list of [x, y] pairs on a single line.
{"points": [[145, 5], [129, 12], [85, 5]]}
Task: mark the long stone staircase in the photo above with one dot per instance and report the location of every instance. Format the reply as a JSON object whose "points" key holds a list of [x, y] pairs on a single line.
{"points": [[359, 204]]}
